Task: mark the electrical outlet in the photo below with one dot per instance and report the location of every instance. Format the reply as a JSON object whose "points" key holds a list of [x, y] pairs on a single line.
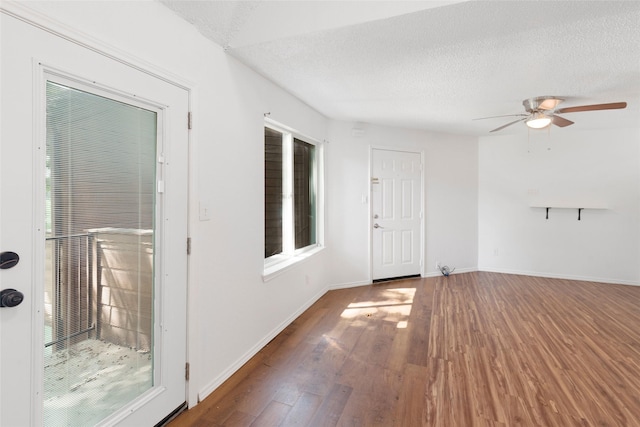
{"points": [[496, 252]]}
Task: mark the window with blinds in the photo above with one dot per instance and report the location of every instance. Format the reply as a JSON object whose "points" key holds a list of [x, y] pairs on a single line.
{"points": [[99, 284], [304, 193], [290, 188], [273, 192]]}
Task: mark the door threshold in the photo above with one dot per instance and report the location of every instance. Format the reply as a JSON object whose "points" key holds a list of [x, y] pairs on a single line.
{"points": [[165, 421], [393, 279]]}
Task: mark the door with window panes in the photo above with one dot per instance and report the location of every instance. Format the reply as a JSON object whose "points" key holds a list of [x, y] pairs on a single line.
{"points": [[93, 175]]}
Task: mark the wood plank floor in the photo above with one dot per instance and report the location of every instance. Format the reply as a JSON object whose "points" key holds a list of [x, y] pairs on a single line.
{"points": [[475, 349], [512, 350]]}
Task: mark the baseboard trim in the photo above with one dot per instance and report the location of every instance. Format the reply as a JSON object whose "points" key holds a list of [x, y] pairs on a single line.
{"points": [[348, 285], [561, 276], [232, 369]]}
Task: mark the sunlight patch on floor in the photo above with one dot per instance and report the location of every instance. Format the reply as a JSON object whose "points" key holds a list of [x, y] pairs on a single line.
{"points": [[393, 305]]}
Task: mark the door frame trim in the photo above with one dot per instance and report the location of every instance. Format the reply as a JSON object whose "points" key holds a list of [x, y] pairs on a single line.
{"points": [[422, 204], [37, 19]]}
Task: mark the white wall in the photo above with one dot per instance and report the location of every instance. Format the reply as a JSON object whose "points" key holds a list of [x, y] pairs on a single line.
{"points": [[451, 185], [232, 312], [564, 166]]}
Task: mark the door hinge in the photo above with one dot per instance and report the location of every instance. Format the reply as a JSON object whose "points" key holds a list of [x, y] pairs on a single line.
{"points": [[186, 371], [188, 245], [189, 120]]}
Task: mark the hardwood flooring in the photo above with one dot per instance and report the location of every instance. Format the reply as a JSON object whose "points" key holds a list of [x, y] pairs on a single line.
{"points": [[475, 349], [511, 350]]}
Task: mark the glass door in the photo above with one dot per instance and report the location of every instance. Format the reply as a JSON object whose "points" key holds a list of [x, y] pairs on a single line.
{"points": [[94, 197], [99, 255]]}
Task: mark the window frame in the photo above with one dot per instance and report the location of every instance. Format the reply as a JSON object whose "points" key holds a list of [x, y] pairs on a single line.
{"points": [[290, 256]]}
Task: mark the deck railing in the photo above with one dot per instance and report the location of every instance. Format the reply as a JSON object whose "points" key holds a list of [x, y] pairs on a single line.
{"points": [[100, 285], [69, 287]]}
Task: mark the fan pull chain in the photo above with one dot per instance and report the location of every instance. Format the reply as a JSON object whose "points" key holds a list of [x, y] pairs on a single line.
{"points": [[549, 138]]}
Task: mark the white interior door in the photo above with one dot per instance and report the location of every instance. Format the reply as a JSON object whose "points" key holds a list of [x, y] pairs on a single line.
{"points": [[107, 103], [396, 207]]}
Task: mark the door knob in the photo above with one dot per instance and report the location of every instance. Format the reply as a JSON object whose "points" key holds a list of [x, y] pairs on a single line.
{"points": [[8, 259], [376, 225], [10, 298]]}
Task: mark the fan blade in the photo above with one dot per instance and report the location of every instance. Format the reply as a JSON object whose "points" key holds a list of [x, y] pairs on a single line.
{"points": [[561, 121], [509, 124], [506, 115], [595, 107]]}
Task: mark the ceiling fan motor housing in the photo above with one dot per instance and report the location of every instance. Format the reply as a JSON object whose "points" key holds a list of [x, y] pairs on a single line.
{"points": [[541, 103]]}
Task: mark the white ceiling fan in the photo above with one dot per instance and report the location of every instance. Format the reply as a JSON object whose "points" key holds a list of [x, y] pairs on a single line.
{"points": [[543, 111]]}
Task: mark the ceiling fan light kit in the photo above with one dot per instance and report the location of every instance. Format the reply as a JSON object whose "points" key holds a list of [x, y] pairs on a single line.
{"points": [[538, 121], [542, 111]]}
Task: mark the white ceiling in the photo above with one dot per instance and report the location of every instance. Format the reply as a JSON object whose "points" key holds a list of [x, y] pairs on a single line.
{"points": [[436, 65]]}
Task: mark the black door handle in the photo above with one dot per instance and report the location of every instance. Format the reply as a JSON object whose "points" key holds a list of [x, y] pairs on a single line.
{"points": [[8, 259], [10, 298]]}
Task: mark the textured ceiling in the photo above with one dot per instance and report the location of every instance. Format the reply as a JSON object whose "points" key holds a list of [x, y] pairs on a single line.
{"points": [[436, 65]]}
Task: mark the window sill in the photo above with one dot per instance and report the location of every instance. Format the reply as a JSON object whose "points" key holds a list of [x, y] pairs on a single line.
{"points": [[274, 270]]}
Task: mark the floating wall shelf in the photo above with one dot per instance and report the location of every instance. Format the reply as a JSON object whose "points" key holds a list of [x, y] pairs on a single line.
{"points": [[568, 206]]}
